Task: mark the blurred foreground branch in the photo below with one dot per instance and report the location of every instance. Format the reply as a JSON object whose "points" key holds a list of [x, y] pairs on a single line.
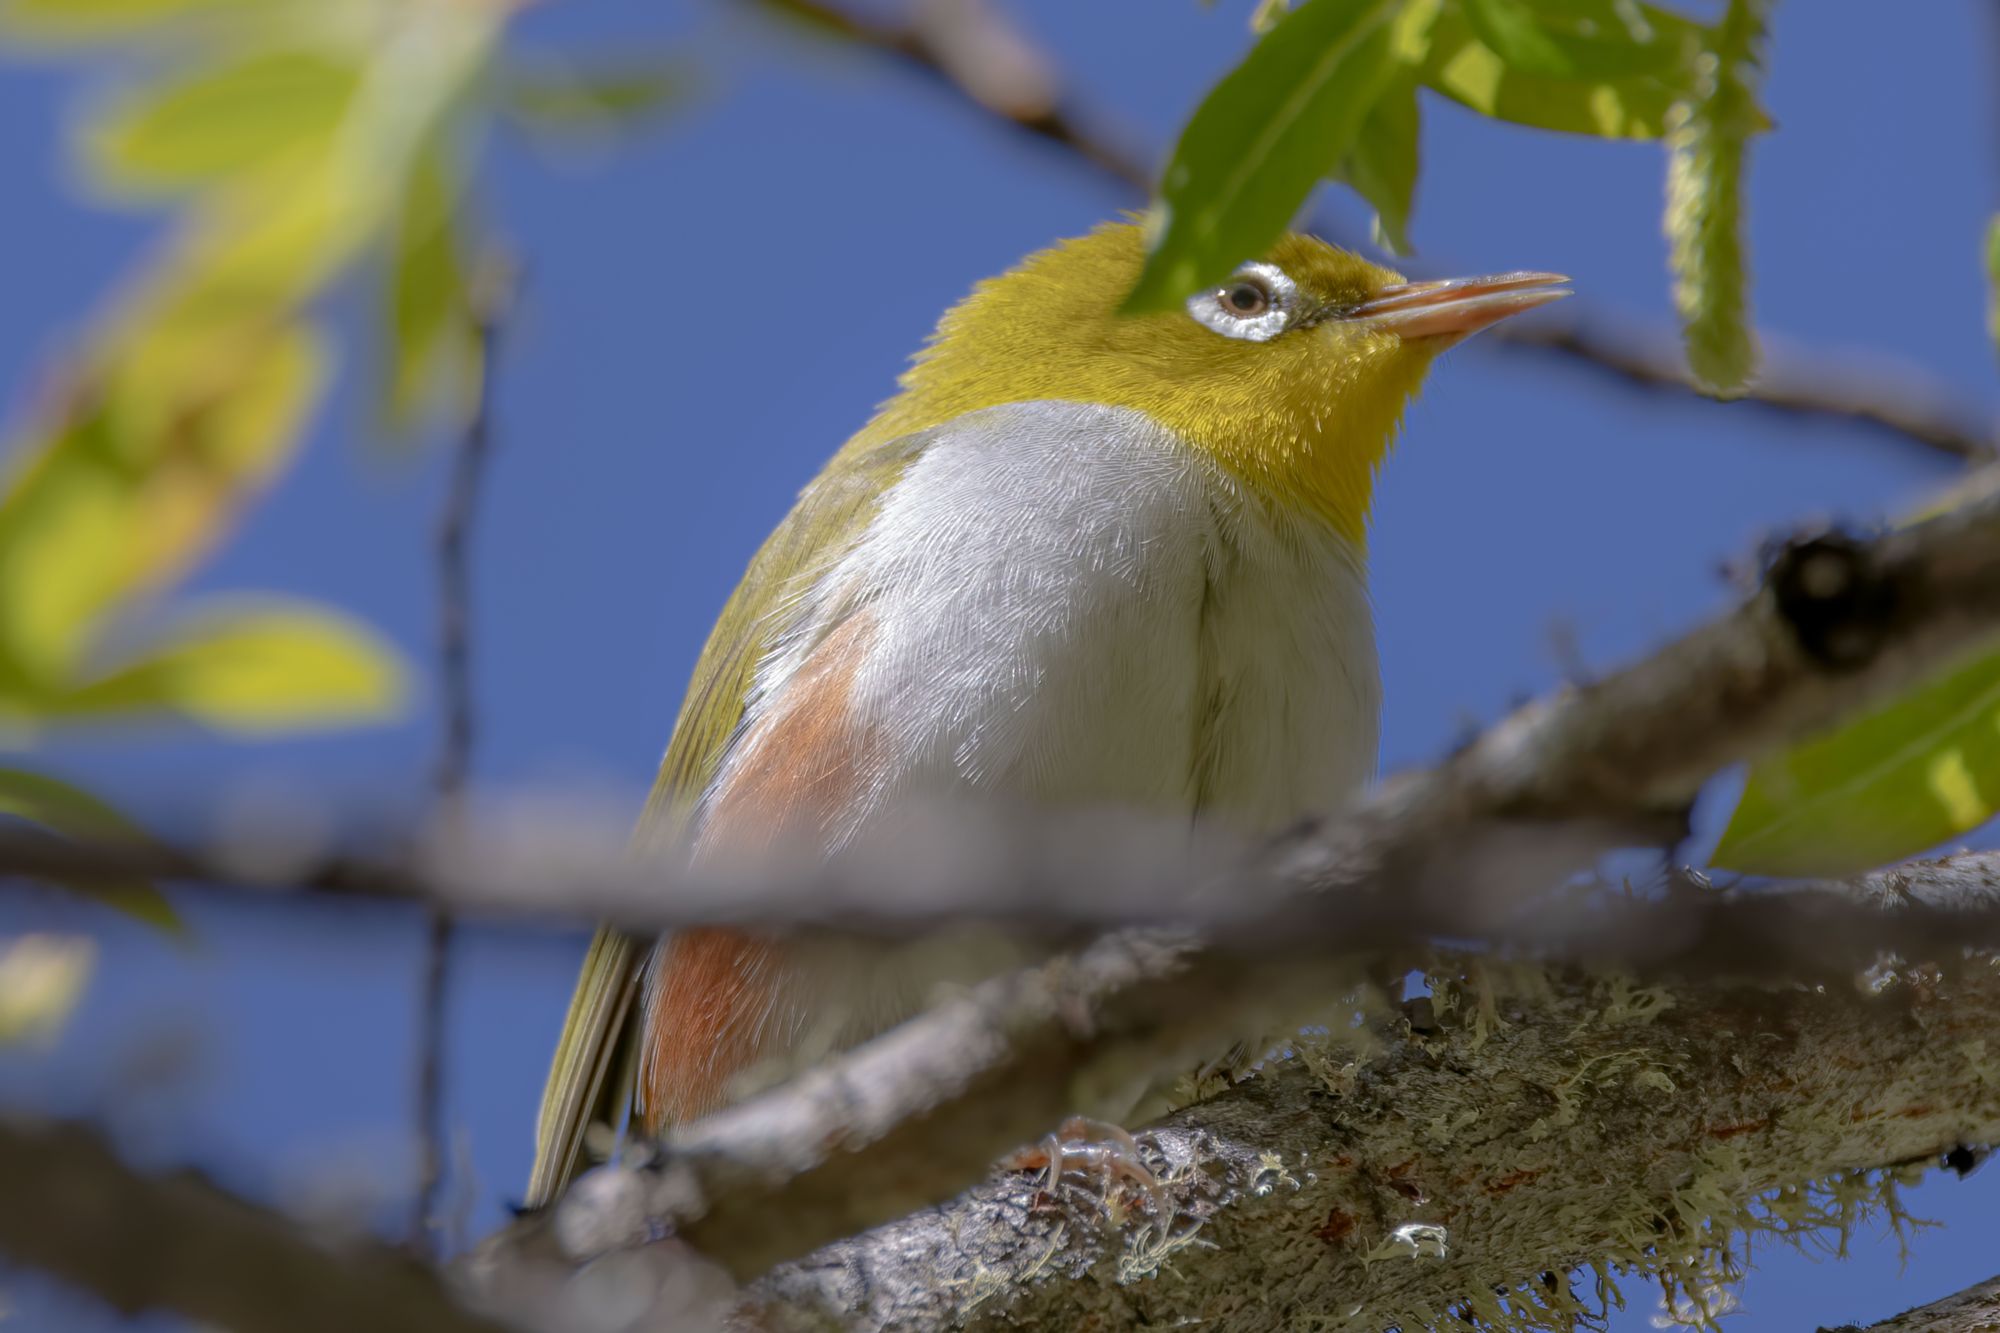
{"points": [[175, 1242], [1023, 89], [1839, 624]]}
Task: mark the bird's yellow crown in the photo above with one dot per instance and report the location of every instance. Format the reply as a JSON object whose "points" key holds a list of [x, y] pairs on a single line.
{"points": [[1303, 419]]}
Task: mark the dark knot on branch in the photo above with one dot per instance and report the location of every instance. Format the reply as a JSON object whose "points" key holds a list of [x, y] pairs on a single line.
{"points": [[1836, 600]]}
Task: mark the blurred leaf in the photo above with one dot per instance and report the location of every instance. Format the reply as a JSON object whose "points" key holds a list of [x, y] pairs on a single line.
{"points": [[41, 979], [1462, 67], [432, 352], [1267, 13], [597, 102], [1993, 278], [1584, 39], [73, 22], [1383, 166], [1916, 773], [1278, 122], [134, 482], [63, 809], [220, 121], [192, 394], [251, 671], [1707, 139]]}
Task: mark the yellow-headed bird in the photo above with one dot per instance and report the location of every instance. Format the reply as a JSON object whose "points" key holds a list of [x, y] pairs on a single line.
{"points": [[1081, 559]]}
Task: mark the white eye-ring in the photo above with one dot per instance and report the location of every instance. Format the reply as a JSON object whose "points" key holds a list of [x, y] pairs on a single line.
{"points": [[1256, 304]]}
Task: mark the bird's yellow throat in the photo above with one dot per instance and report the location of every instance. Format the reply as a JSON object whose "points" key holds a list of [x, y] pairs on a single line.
{"points": [[1303, 419]]}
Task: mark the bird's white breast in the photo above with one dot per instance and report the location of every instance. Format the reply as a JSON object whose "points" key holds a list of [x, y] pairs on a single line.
{"points": [[1070, 605]]}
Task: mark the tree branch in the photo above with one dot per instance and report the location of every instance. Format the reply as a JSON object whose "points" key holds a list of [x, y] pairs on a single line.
{"points": [[1515, 1123], [1974, 1310], [175, 1242], [1909, 409], [1896, 403], [1487, 1113], [1839, 625], [906, 1119]]}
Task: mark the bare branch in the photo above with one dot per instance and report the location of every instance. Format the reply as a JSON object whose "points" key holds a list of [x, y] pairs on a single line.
{"points": [[1898, 403], [942, 46], [1905, 407], [175, 1242]]}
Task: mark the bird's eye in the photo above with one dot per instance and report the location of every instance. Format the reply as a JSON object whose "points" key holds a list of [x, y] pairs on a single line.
{"points": [[1255, 305], [1247, 297]]}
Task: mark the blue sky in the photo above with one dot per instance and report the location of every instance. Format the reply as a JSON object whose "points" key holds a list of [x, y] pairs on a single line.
{"points": [[710, 310]]}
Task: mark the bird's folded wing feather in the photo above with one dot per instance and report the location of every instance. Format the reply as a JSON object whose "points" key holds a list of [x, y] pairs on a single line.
{"points": [[589, 1078]]}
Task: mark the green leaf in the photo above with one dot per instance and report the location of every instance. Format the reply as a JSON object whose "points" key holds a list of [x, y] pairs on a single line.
{"points": [[1707, 153], [136, 482], [66, 810], [1993, 279], [1920, 771], [432, 346], [253, 671], [200, 127], [1464, 68], [610, 100], [77, 22], [1275, 125], [1383, 166], [1585, 39]]}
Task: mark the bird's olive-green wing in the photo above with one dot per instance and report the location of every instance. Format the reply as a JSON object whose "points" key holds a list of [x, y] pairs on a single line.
{"points": [[590, 1076]]}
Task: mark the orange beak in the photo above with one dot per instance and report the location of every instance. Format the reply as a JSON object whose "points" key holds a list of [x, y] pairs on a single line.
{"points": [[1456, 307]]}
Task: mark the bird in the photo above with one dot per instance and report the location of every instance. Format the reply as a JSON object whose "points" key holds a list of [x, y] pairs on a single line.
{"points": [[1082, 558]]}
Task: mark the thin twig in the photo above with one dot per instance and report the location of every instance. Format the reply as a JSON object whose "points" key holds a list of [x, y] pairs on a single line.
{"points": [[486, 310], [1899, 404], [1034, 111], [1905, 408]]}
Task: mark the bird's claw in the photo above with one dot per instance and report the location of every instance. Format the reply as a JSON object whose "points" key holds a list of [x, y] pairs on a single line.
{"points": [[1097, 1150]]}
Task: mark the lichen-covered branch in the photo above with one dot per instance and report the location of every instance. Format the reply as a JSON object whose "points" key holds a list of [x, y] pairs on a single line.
{"points": [[1702, 1093], [1974, 1310], [1523, 1129]]}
